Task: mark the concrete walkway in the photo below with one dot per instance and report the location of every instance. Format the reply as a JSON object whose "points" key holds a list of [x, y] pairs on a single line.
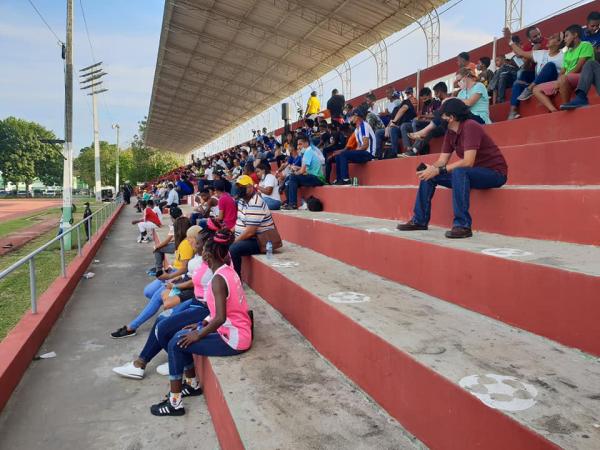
{"points": [[74, 401]]}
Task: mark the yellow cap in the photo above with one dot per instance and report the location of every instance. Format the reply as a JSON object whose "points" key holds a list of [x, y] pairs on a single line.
{"points": [[244, 180]]}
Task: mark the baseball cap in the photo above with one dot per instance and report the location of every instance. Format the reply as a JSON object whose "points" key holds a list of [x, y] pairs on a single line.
{"points": [[409, 90], [244, 180]]}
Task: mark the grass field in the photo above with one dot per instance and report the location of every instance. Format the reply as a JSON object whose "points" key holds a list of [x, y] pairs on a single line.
{"points": [[14, 289]]}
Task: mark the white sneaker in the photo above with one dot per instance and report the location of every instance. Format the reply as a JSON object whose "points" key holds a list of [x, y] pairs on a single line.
{"points": [[163, 369], [129, 371], [139, 240]]}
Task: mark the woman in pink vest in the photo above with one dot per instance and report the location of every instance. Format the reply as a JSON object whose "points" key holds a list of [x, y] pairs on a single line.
{"points": [[227, 331]]}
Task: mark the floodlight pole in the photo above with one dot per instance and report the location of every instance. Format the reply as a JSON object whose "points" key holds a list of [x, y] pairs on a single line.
{"points": [[67, 214]]}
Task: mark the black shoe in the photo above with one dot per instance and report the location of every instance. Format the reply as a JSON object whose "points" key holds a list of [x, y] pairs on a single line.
{"points": [[165, 408], [251, 315], [289, 207], [189, 391], [122, 332], [408, 153], [159, 272], [459, 233], [410, 226], [342, 182]]}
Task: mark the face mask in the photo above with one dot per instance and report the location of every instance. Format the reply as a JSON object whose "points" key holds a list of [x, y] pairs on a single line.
{"points": [[241, 192]]}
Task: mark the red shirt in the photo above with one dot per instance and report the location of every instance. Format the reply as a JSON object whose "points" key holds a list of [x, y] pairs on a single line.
{"points": [[151, 216], [229, 207], [528, 46], [254, 177], [472, 136]]}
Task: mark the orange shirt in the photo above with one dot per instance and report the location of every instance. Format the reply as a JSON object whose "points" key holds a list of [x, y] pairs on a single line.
{"points": [[351, 144]]}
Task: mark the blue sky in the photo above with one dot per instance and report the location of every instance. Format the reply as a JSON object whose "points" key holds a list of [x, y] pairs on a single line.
{"points": [[125, 36]]}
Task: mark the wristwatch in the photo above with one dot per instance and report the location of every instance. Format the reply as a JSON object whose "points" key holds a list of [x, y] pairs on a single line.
{"points": [[443, 170]]}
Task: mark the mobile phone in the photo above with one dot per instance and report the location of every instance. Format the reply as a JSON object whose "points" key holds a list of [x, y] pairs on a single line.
{"points": [[421, 167]]}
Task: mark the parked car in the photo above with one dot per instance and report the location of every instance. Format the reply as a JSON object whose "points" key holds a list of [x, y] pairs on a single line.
{"points": [[38, 193], [3, 193], [23, 194]]}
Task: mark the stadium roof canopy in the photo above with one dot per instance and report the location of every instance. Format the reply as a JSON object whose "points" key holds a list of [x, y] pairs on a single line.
{"points": [[221, 62]]}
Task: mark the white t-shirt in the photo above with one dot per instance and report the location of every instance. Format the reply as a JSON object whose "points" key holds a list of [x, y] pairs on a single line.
{"points": [[541, 57], [214, 210], [392, 105], [270, 181], [193, 264], [209, 173], [171, 230]]}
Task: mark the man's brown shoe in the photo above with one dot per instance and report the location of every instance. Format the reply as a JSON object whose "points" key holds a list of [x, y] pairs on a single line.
{"points": [[459, 233], [410, 226]]}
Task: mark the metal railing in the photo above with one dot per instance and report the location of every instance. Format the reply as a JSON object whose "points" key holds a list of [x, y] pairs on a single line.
{"points": [[94, 223]]}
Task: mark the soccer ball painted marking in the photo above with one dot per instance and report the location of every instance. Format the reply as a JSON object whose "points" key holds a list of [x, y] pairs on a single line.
{"points": [[500, 392], [506, 252], [348, 297]]}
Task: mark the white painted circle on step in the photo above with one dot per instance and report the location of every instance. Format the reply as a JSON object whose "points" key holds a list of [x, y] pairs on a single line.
{"points": [[500, 392], [348, 297], [285, 264], [506, 252]]}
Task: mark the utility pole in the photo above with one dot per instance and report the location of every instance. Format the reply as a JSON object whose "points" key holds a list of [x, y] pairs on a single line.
{"points": [[117, 127], [68, 145], [92, 75]]}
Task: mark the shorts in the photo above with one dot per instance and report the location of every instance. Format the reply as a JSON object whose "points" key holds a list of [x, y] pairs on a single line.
{"points": [[551, 87]]}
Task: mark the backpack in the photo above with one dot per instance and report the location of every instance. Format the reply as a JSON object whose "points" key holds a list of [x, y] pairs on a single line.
{"points": [[314, 204]]}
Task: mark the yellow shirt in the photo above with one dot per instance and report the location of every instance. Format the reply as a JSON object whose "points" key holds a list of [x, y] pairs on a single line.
{"points": [[184, 252], [314, 106]]}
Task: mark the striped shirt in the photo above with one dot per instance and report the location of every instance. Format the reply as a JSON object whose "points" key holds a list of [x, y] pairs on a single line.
{"points": [[362, 131], [253, 213]]}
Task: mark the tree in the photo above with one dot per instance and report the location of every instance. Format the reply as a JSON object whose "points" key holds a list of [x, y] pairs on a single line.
{"points": [[23, 157], [84, 167]]}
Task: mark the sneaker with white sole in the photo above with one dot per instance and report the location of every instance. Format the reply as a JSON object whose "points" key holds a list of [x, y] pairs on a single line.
{"points": [[139, 240], [525, 95], [163, 369], [122, 332], [129, 371], [165, 408]]}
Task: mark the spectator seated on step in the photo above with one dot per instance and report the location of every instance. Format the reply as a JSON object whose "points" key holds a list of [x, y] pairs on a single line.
{"points": [[148, 223], [429, 105], [184, 186], [474, 95], [226, 331], [404, 113], [484, 73], [372, 118], [172, 197], [219, 175], [481, 165], [167, 246], [578, 53], [337, 142], [185, 241], [463, 61], [226, 211], [591, 33], [365, 150], [205, 208], [504, 77], [268, 186], [186, 313], [435, 128], [310, 172], [394, 101], [548, 64], [253, 218], [293, 162]]}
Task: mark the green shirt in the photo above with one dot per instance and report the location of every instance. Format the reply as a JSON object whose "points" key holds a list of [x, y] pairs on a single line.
{"points": [[573, 55]]}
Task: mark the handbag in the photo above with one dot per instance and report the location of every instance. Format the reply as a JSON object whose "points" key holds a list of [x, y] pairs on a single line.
{"points": [[266, 236]]}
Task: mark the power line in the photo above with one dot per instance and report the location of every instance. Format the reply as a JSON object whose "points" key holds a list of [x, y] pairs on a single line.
{"points": [[61, 43], [87, 31]]}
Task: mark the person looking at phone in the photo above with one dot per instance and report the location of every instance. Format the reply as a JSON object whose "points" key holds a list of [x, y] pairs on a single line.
{"points": [[481, 165]]}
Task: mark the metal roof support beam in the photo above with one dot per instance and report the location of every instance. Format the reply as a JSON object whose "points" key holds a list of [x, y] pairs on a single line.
{"points": [[513, 14], [345, 73], [430, 25]]}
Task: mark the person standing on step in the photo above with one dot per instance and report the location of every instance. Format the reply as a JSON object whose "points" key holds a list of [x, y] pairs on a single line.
{"points": [[87, 212], [226, 331], [481, 165]]}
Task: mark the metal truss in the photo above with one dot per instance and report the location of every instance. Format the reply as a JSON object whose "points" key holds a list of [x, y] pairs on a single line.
{"points": [[345, 73], [430, 25], [513, 14]]}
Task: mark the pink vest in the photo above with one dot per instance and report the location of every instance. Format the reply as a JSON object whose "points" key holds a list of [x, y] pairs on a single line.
{"points": [[236, 331], [197, 280]]}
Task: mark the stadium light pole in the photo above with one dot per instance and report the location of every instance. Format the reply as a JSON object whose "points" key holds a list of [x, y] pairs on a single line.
{"points": [[67, 213], [116, 126]]}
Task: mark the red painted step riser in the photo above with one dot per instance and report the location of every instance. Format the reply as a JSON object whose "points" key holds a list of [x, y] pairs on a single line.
{"points": [[557, 304], [554, 163], [436, 411], [571, 215], [225, 427]]}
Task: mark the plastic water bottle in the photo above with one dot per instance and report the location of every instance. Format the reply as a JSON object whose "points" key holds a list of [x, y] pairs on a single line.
{"points": [[269, 250]]}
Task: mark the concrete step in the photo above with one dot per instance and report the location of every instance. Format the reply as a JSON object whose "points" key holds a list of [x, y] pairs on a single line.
{"points": [[570, 162], [283, 395], [412, 353], [539, 212], [562, 125], [550, 288]]}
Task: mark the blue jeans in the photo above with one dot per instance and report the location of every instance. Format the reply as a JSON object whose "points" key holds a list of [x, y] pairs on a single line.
{"points": [[460, 180], [380, 140], [181, 359], [153, 292], [159, 255], [238, 249], [348, 156], [272, 204], [195, 217], [295, 181], [523, 80], [166, 326]]}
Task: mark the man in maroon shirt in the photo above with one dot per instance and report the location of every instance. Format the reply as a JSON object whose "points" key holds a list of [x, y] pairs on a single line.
{"points": [[480, 166]]}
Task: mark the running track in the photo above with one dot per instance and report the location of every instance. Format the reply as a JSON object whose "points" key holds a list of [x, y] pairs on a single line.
{"points": [[13, 209]]}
